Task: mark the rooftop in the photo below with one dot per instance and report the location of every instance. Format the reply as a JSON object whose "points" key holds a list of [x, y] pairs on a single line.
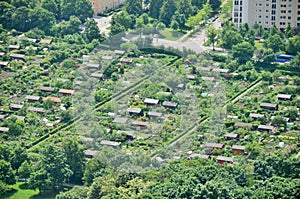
{"points": [[66, 91], [154, 114], [170, 104], [213, 145], [151, 101], [134, 110], [4, 129], [120, 120], [225, 159], [110, 143], [46, 89], [238, 147]]}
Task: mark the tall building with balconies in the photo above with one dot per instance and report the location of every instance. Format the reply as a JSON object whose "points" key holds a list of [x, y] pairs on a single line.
{"points": [[101, 6], [267, 13]]}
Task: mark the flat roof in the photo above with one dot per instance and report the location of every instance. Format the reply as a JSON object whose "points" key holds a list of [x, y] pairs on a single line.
{"points": [[284, 96], [46, 41], [208, 78], [4, 63], [266, 127], [220, 70], [170, 104], [3, 116], [154, 114], [66, 91], [231, 135], [36, 109], [151, 101], [242, 124], [97, 75], [264, 104], [18, 56], [93, 65], [238, 147], [14, 46], [225, 159], [191, 77], [256, 115], [16, 106], [213, 145], [109, 143], [90, 153], [120, 120], [119, 52], [164, 93], [4, 129], [53, 99], [47, 89], [134, 110], [33, 98], [140, 123], [126, 60]]}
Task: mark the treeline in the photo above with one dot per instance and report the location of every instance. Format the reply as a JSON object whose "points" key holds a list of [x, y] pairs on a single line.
{"points": [[273, 176], [52, 17], [46, 171], [157, 13]]}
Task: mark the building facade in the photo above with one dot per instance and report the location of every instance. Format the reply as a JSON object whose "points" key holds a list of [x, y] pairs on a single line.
{"points": [[267, 13], [101, 6]]}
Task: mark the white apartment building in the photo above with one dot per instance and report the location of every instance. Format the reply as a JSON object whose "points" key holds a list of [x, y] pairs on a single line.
{"points": [[267, 13]]}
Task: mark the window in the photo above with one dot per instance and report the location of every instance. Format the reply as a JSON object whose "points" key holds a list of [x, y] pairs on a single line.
{"points": [[273, 12], [274, 6], [236, 2], [273, 18]]}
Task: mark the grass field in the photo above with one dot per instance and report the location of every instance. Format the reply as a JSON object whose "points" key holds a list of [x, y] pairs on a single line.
{"points": [[21, 191], [170, 34]]}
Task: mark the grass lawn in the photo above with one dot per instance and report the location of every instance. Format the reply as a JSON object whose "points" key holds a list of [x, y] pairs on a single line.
{"points": [[21, 191], [170, 34], [259, 45]]}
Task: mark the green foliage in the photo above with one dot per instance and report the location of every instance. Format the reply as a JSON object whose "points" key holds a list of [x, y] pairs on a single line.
{"points": [[293, 45], [73, 152], [243, 52], [203, 14], [167, 11], [275, 42], [134, 7], [7, 175], [75, 193], [51, 171]]}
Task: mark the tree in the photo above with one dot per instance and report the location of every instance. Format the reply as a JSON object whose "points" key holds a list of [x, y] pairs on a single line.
{"points": [[265, 56], [91, 30], [293, 45], [79, 8], [288, 31], [154, 8], [243, 52], [278, 121], [202, 14], [20, 19], [6, 12], [167, 11], [50, 5], [74, 193], [51, 171], [42, 19], [7, 175], [215, 4], [93, 169], [16, 127], [18, 157], [211, 33], [295, 62], [275, 43], [73, 152], [134, 7], [25, 170], [69, 63]]}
